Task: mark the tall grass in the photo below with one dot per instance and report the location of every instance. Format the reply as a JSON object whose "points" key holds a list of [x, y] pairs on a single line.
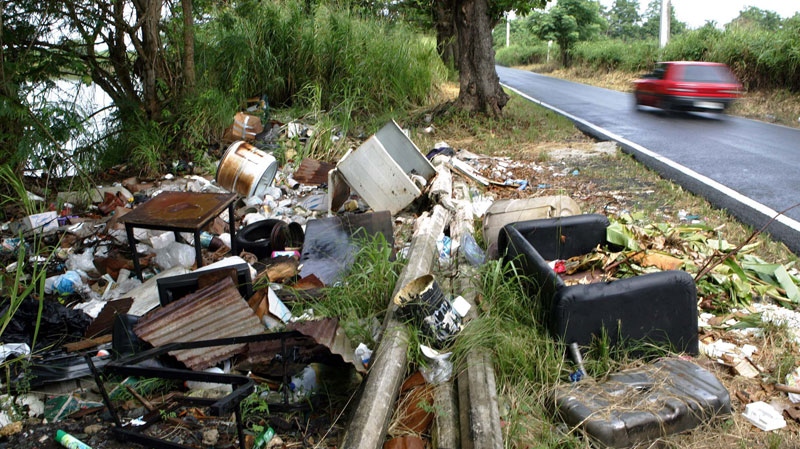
{"points": [[527, 361], [611, 55], [28, 278], [358, 67], [364, 293]]}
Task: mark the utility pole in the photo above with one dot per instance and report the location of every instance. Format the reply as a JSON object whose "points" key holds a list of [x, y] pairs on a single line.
{"points": [[508, 31], [665, 15]]}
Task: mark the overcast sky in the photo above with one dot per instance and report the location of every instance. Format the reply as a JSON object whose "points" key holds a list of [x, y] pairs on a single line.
{"points": [[695, 13]]}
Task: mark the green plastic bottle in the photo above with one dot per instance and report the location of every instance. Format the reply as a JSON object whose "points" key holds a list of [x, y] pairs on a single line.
{"points": [[263, 438], [69, 441]]}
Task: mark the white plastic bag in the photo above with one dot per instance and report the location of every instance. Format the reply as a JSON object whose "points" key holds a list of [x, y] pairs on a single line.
{"points": [[439, 367], [83, 262], [175, 254]]}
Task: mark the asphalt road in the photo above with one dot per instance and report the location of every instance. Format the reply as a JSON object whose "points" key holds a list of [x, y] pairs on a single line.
{"points": [[748, 167]]}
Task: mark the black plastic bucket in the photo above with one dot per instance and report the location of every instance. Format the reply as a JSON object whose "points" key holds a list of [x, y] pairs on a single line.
{"points": [[256, 237], [423, 302]]}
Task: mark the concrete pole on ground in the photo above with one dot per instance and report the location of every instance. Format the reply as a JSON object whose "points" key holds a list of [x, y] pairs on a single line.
{"points": [[374, 408], [479, 413]]}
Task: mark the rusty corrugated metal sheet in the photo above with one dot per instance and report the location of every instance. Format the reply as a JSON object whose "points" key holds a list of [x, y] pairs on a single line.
{"points": [[323, 341], [328, 333], [214, 312], [313, 172]]}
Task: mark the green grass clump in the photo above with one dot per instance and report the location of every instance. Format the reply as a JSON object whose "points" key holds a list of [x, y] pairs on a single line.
{"points": [[364, 293]]}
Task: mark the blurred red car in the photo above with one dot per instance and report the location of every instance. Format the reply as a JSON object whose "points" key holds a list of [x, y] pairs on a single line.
{"points": [[688, 86]]}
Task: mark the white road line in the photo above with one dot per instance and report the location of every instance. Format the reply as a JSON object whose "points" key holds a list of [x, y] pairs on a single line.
{"points": [[755, 205]]}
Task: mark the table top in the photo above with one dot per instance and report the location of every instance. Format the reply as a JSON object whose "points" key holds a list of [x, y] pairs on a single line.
{"points": [[188, 211]]}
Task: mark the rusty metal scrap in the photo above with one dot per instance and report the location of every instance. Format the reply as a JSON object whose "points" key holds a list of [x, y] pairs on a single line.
{"points": [[214, 312], [313, 172], [322, 341]]}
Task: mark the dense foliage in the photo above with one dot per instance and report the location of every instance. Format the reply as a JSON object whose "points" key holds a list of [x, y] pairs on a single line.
{"points": [[168, 106]]}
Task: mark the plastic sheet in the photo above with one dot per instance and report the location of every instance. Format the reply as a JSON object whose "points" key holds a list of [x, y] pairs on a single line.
{"points": [[83, 261], [175, 255], [58, 325]]}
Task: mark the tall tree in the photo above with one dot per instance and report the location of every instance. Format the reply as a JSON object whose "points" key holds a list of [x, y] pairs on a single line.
{"points": [[446, 42], [464, 42], [752, 17], [188, 47], [652, 20], [140, 53], [623, 19], [479, 85], [567, 23], [28, 119]]}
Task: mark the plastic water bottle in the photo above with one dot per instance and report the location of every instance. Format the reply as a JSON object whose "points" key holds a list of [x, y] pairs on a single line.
{"points": [[304, 383]]}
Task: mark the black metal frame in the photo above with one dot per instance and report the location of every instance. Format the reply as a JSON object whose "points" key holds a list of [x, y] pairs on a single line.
{"points": [[243, 386]]}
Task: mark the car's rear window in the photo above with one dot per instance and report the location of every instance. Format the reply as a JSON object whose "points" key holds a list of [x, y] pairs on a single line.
{"points": [[707, 74]]}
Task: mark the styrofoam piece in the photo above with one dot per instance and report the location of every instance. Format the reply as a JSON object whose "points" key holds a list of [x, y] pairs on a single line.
{"points": [[461, 306], [764, 416]]}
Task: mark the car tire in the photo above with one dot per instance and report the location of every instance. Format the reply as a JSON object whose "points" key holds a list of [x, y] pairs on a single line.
{"points": [[666, 105], [637, 103]]}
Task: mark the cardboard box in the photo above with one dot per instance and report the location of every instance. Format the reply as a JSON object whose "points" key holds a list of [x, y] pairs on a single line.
{"points": [[245, 127]]}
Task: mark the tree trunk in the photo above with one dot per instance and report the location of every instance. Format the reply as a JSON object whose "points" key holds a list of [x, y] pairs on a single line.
{"points": [[151, 46], [479, 85], [446, 39], [188, 47]]}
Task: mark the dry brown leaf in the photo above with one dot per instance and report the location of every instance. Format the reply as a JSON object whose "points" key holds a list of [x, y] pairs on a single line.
{"points": [[658, 260]]}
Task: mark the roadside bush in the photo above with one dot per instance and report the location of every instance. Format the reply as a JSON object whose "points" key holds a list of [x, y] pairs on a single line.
{"points": [[694, 45], [523, 54], [610, 55], [759, 58]]}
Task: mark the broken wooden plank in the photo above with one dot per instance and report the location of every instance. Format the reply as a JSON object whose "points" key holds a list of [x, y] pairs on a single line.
{"points": [[88, 343], [467, 171]]}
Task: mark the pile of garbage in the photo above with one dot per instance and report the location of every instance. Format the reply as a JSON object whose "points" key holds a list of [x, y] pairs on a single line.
{"points": [[191, 281], [172, 262]]}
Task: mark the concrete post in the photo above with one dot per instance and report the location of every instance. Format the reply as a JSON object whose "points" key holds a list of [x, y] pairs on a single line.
{"points": [[373, 410]]}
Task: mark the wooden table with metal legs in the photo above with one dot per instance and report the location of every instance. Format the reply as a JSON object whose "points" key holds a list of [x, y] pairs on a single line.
{"points": [[180, 212]]}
